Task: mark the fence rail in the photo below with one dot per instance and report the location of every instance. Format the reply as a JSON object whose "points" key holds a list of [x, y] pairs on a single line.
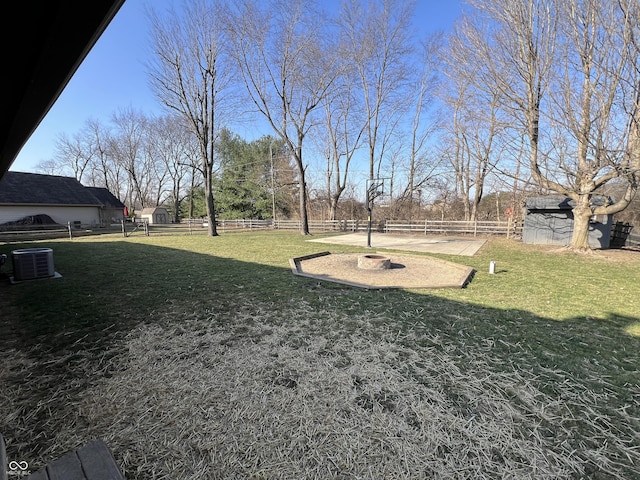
{"points": [[199, 226], [633, 240], [482, 228], [323, 225], [426, 227]]}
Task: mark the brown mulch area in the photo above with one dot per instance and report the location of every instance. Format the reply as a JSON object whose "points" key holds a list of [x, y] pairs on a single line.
{"points": [[406, 271]]}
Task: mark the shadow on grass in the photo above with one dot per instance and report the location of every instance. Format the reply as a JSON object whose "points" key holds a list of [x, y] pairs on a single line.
{"points": [[108, 289]]}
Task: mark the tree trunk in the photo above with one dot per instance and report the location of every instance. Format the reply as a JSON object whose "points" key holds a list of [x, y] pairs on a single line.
{"points": [[304, 216], [211, 211], [333, 207], [581, 221]]}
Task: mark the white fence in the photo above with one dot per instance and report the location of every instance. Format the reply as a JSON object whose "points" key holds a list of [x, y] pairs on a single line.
{"points": [[199, 226], [482, 228], [252, 224], [509, 229]]}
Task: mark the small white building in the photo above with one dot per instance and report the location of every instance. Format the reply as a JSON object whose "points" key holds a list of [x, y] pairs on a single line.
{"points": [[155, 215]]}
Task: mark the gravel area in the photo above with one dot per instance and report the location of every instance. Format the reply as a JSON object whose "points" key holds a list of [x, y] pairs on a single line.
{"points": [[406, 271]]}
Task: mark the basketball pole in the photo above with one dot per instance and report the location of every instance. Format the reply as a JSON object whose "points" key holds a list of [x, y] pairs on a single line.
{"points": [[369, 208], [374, 186]]}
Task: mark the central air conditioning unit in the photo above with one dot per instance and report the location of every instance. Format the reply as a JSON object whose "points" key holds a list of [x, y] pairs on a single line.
{"points": [[32, 263]]}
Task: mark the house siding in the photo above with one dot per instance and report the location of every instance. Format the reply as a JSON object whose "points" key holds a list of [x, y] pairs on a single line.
{"points": [[86, 215]]}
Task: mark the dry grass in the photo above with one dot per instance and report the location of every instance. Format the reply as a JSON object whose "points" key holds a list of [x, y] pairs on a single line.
{"points": [[255, 394], [217, 362]]}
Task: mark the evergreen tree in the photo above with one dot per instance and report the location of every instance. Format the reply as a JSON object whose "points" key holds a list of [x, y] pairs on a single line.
{"points": [[241, 189]]}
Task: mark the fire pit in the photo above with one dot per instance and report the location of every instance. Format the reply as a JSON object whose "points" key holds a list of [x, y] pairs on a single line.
{"points": [[374, 262], [406, 271]]}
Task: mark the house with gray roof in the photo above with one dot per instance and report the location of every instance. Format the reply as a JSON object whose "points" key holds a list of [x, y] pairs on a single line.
{"points": [[112, 209], [63, 199]]}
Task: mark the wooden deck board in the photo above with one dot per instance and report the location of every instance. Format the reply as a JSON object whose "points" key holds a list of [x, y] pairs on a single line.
{"points": [[39, 475], [3, 459], [98, 462], [67, 467], [92, 461]]}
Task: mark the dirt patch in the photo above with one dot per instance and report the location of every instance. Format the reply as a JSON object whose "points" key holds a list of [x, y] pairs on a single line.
{"points": [[622, 255]]}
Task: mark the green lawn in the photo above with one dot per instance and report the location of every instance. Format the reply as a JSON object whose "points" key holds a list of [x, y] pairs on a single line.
{"points": [[199, 357]]}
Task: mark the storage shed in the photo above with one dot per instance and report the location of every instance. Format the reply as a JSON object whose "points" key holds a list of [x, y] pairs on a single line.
{"points": [[155, 215], [549, 220]]}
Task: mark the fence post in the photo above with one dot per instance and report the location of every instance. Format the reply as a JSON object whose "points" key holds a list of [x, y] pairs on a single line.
{"points": [[69, 228]]}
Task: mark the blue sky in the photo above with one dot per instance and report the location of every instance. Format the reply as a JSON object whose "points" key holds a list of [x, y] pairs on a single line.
{"points": [[113, 76]]}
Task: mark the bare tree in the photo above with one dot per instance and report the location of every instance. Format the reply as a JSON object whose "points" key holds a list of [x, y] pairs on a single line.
{"points": [[566, 71], [591, 93], [154, 160], [377, 35], [90, 156], [74, 153], [104, 171], [190, 74], [126, 146], [479, 134], [341, 137], [171, 145], [475, 130], [48, 167], [422, 167], [287, 66]]}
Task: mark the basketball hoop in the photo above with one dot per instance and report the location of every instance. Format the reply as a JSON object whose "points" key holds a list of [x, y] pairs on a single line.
{"points": [[375, 189]]}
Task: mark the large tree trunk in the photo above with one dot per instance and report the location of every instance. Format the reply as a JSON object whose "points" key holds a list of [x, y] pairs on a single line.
{"points": [[581, 221]]}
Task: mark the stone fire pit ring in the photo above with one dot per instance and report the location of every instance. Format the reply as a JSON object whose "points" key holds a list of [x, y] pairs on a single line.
{"points": [[374, 262]]}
